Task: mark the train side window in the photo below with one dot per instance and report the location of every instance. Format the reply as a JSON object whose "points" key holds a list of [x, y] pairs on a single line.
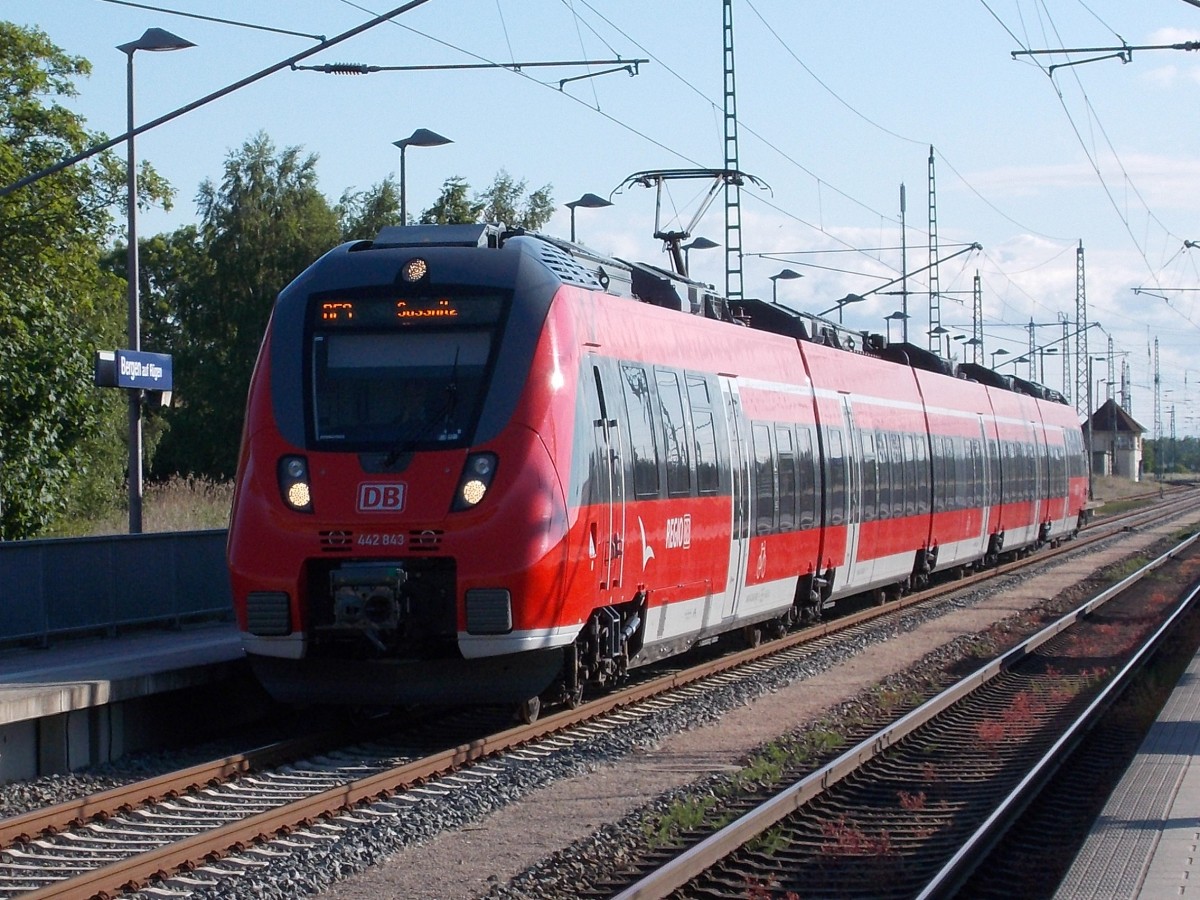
{"points": [[674, 430], [970, 473], [870, 476], [960, 472], [708, 480], [1026, 471], [786, 456], [923, 498], [1022, 477], [885, 493], [996, 466], [764, 480], [708, 474], [897, 467], [1031, 466], [808, 479], [641, 431], [837, 478], [1012, 482], [910, 476], [939, 473]]}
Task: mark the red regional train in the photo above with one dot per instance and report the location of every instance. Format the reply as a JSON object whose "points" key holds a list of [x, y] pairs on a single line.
{"points": [[488, 466]]}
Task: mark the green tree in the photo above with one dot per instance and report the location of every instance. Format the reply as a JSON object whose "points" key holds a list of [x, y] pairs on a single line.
{"points": [[260, 228], [170, 266], [452, 206], [60, 437], [506, 201], [362, 214]]}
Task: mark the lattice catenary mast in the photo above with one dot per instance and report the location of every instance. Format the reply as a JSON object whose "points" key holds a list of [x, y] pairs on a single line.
{"points": [[1083, 390], [733, 189], [935, 296]]}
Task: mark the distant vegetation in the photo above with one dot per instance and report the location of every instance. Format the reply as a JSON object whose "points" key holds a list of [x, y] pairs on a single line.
{"points": [[176, 504], [1171, 456], [207, 290]]}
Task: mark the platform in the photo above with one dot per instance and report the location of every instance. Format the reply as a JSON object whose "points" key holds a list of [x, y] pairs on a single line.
{"points": [[84, 701], [1144, 843]]}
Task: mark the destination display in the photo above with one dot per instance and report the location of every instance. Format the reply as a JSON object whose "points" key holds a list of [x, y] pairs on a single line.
{"points": [[336, 313]]}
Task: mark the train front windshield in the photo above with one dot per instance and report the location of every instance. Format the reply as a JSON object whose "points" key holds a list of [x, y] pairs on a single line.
{"points": [[394, 374]]}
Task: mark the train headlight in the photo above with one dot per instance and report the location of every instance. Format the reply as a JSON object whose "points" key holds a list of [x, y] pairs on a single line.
{"points": [[414, 270], [293, 483], [476, 479]]}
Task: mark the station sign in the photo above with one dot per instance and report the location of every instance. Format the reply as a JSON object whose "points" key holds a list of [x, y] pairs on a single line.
{"points": [[134, 369]]}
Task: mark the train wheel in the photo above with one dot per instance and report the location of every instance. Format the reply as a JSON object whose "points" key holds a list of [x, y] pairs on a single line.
{"points": [[752, 634], [529, 710], [575, 698]]}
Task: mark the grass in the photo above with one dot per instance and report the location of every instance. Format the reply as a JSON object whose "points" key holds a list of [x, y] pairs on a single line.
{"points": [[179, 504]]}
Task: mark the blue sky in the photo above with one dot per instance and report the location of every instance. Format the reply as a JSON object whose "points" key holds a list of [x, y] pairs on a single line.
{"points": [[838, 105]]}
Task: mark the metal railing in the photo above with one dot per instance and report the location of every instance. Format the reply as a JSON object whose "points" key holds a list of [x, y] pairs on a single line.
{"points": [[70, 586]]}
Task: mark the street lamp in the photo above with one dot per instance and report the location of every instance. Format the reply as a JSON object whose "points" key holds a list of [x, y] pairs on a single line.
{"points": [[896, 316], [1042, 351], [786, 275], [422, 137], [587, 201], [700, 243], [155, 39], [976, 345], [849, 298], [995, 353]]}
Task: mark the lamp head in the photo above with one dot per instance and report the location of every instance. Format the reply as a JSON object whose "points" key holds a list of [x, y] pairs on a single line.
{"points": [[422, 137], [156, 39], [787, 274], [589, 201]]}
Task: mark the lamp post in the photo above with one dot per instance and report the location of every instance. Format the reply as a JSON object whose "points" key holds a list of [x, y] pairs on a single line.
{"points": [[700, 243], [1042, 351], [422, 137], [786, 275], [155, 39], [587, 201], [995, 353], [896, 316], [976, 345], [849, 298]]}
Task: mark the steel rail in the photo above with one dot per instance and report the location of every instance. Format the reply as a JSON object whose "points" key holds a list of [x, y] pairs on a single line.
{"points": [[138, 869], [976, 847], [699, 858]]}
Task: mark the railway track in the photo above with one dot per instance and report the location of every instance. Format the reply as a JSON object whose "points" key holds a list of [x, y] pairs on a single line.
{"points": [[912, 809], [178, 827]]}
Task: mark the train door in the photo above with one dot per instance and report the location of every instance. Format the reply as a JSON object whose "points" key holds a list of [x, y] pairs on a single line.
{"points": [[608, 528], [1041, 478], [739, 464], [857, 572], [983, 474]]}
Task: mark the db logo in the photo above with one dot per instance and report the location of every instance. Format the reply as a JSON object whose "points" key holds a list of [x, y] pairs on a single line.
{"points": [[380, 497]]}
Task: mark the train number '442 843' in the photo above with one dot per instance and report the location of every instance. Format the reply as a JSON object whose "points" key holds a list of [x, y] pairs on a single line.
{"points": [[378, 539]]}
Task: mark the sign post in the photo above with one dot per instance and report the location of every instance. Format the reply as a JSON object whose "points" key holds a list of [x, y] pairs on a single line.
{"points": [[135, 371]]}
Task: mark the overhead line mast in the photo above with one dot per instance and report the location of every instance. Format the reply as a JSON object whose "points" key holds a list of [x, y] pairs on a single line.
{"points": [[1083, 390], [935, 295], [733, 187]]}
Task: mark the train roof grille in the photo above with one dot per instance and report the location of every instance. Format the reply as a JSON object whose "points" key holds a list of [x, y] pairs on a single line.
{"points": [[486, 235], [564, 264]]}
